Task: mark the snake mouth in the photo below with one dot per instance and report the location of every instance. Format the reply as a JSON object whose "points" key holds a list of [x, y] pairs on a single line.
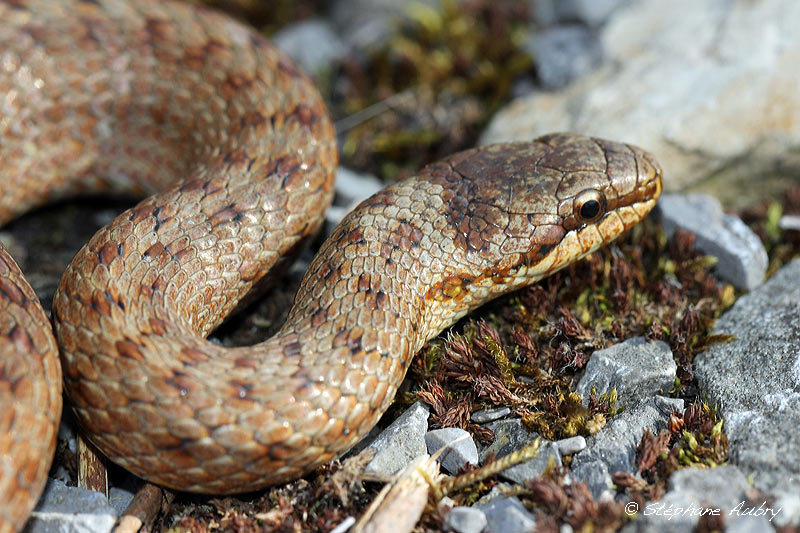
{"points": [[587, 238]]}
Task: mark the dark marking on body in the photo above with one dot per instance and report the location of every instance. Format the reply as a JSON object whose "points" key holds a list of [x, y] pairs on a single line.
{"points": [[128, 348]]}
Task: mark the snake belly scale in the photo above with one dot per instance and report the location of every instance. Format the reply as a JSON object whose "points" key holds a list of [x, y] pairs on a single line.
{"points": [[237, 151]]}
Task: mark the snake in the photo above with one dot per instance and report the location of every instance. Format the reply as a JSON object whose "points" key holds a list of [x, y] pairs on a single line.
{"points": [[235, 155]]}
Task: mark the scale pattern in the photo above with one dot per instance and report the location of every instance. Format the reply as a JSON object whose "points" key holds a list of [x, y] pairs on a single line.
{"points": [[238, 152]]}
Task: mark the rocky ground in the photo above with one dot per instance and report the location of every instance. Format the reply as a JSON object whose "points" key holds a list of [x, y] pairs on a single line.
{"points": [[660, 376]]}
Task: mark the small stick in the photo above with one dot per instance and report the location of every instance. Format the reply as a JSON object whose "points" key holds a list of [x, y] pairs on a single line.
{"points": [[143, 510]]}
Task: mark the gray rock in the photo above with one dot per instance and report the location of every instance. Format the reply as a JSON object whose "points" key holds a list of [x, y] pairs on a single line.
{"points": [[755, 379], [465, 520], [459, 448], [693, 492], [748, 524], [571, 446], [563, 54], [510, 436], [352, 188], [367, 24], [704, 102], [789, 504], [119, 498], [589, 12], [742, 257], [638, 368], [548, 454], [401, 442], [489, 415], [789, 222], [586, 12], [543, 12], [613, 448], [507, 515], [312, 44], [63, 509]]}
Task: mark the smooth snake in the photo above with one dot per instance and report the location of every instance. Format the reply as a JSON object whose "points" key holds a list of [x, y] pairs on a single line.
{"points": [[238, 152]]}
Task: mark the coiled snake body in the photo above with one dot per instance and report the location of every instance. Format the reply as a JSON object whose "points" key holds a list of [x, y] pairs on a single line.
{"points": [[162, 98]]}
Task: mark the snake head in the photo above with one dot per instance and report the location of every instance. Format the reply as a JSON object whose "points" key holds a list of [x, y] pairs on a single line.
{"points": [[528, 209]]}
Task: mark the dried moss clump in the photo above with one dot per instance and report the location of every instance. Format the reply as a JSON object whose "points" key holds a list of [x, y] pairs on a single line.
{"points": [[693, 438], [319, 502], [782, 245]]}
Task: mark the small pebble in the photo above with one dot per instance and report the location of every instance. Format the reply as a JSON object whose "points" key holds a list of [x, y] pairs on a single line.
{"points": [[459, 448], [789, 222], [63, 508], [465, 520], [571, 445], [507, 515], [401, 442], [742, 259]]}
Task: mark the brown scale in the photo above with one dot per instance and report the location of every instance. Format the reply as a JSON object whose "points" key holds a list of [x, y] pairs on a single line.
{"points": [[148, 96]]}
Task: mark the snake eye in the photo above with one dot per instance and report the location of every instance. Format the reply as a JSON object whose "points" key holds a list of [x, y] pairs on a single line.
{"points": [[589, 206]]}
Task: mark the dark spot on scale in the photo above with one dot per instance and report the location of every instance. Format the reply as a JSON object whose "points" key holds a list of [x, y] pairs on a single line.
{"points": [[292, 349], [381, 298], [545, 249], [354, 345], [22, 339], [241, 384], [288, 67], [257, 41]]}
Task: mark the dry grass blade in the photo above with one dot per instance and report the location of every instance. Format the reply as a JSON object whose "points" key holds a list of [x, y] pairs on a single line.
{"points": [[495, 467]]}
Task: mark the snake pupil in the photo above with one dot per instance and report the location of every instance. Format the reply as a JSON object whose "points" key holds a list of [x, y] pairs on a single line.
{"points": [[590, 209]]}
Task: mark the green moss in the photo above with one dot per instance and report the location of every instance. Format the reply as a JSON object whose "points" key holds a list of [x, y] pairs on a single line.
{"points": [[427, 91]]}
